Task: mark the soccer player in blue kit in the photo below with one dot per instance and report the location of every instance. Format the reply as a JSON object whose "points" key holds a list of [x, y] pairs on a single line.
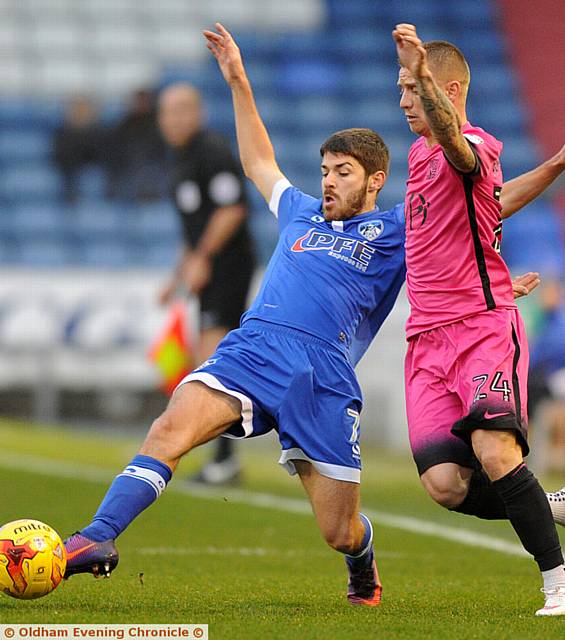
{"points": [[334, 276]]}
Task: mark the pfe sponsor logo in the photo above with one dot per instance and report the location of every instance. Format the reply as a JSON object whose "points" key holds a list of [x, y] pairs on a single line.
{"points": [[354, 252]]}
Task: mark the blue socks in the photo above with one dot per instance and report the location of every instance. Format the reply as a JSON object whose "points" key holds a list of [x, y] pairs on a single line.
{"points": [[132, 491], [364, 556]]}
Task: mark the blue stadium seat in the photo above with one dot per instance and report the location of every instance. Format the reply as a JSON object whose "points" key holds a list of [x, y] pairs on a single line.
{"points": [[155, 222], [98, 219], [92, 183], [38, 183], [221, 116], [109, 253], [470, 15], [362, 44], [314, 112], [308, 83], [519, 154], [347, 13], [531, 240], [46, 253], [371, 79], [425, 15], [38, 221], [9, 251], [30, 114], [24, 145], [301, 45], [495, 116], [382, 115], [261, 45], [311, 77], [164, 255], [483, 46]]}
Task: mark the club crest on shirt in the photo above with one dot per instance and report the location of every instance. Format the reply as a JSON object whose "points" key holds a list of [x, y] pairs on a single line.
{"points": [[433, 168], [475, 139], [371, 229], [417, 208]]}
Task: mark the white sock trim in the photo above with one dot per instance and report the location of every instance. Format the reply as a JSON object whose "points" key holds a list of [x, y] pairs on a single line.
{"points": [[152, 478], [369, 544]]}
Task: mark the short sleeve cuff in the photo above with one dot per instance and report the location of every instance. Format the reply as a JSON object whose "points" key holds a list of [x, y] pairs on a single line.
{"points": [[280, 187]]}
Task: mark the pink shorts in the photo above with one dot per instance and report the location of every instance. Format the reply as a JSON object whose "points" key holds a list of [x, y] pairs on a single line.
{"points": [[468, 375]]}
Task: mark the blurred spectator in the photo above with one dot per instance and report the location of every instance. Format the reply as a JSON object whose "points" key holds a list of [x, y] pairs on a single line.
{"points": [[78, 143], [138, 153], [547, 349], [217, 264]]}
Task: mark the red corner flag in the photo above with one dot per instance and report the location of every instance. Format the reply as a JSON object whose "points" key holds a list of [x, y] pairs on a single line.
{"points": [[172, 351]]}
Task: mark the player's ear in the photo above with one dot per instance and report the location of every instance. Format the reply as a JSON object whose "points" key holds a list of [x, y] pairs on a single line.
{"points": [[376, 181], [453, 90]]}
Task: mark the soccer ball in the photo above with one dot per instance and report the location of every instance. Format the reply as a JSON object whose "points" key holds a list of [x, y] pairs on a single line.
{"points": [[32, 559]]}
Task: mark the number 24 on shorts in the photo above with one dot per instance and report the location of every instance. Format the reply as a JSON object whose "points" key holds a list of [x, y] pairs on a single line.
{"points": [[495, 385]]}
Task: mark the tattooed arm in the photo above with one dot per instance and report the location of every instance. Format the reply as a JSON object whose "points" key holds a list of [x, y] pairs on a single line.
{"points": [[441, 115]]}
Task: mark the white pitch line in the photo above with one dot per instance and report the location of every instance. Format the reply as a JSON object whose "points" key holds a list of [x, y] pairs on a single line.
{"points": [[247, 551], [405, 523], [78, 471]]}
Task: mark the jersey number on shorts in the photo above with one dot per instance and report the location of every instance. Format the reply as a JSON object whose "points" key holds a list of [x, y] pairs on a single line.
{"points": [[355, 428], [354, 439], [494, 386]]}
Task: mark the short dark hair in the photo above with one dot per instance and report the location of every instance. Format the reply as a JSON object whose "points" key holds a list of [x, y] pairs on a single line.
{"points": [[365, 145], [448, 60]]}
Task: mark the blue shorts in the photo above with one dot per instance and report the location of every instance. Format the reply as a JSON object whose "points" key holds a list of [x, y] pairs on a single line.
{"points": [[297, 384]]}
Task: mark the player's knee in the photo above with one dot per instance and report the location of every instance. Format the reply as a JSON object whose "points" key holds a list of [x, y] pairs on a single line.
{"points": [[444, 491], [497, 451]]}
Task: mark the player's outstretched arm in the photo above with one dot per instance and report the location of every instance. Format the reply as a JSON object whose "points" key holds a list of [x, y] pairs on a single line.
{"points": [[255, 148], [441, 115], [520, 191]]}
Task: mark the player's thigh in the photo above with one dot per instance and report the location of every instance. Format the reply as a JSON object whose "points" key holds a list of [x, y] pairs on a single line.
{"points": [[196, 414], [431, 410], [335, 502], [319, 417], [491, 377]]}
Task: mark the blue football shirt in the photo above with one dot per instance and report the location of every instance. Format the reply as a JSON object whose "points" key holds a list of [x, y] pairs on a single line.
{"points": [[335, 280]]}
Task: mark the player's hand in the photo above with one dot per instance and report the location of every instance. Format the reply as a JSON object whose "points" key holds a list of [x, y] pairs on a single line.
{"points": [[226, 52], [525, 284], [197, 272], [559, 158], [167, 293], [411, 53]]}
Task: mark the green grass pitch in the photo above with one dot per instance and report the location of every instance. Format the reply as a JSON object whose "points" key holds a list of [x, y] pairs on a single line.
{"points": [[253, 572]]}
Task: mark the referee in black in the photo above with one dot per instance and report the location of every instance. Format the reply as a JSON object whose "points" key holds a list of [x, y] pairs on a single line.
{"points": [[217, 262]]}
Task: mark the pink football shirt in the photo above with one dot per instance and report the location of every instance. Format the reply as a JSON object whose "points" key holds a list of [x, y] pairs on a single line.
{"points": [[453, 234]]}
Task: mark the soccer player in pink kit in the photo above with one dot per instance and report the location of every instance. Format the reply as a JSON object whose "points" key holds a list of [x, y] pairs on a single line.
{"points": [[467, 359]]}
